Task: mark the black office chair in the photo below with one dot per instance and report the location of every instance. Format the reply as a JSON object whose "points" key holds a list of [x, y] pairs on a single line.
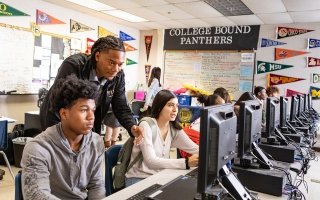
{"points": [[135, 107], [111, 158], [4, 142]]}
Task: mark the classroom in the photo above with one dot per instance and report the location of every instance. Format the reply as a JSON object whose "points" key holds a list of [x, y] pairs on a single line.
{"points": [[198, 47]]}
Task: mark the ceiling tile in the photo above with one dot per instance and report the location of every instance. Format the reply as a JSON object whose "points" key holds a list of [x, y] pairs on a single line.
{"points": [[194, 23], [153, 25], [219, 21], [172, 24], [171, 11], [146, 13], [301, 5], [119, 4], [179, 1], [309, 16], [275, 18], [199, 9], [245, 20], [150, 3], [267, 6]]}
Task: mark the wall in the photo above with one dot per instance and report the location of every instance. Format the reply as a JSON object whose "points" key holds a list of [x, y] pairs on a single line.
{"points": [[14, 106], [300, 69]]}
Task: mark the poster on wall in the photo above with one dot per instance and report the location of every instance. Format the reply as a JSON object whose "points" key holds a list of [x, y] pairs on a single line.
{"points": [[275, 79], [8, 11], [290, 93], [315, 78], [283, 32], [286, 53], [264, 67], [268, 43], [315, 93], [43, 18], [313, 62]]}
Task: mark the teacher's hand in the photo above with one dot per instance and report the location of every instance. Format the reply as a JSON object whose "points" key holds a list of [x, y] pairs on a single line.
{"points": [[138, 133]]}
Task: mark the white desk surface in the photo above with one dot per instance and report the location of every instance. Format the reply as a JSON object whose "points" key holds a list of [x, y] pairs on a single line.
{"points": [[36, 112], [10, 120], [162, 178]]}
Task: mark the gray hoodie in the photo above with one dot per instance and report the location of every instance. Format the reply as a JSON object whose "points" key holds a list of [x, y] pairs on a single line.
{"points": [[51, 170]]}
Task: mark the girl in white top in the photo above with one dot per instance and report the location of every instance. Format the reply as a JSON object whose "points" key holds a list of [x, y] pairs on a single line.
{"points": [[156, 154], [154, 87]]}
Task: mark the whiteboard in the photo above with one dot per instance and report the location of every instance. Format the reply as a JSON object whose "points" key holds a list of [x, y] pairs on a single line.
{"points": [[209, 70]]}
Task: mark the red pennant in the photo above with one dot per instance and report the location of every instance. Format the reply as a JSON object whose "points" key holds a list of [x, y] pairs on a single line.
{"points": [[275, 79], [313, 62], [290, 92]]}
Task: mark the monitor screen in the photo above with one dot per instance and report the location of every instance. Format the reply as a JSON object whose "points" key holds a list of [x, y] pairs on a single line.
{"points": [[217, 143], [250, 117], [294, 108], [272, 115], [300, 105], [283, 111]]}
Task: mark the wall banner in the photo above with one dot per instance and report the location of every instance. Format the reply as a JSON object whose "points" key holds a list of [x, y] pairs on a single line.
{"points": [[313, 62], [313, 43], [6, 10], [212, 38], [290, 93], [286, 53], [315, 93], [283, 32], [275, 79], [263, 67], [268, 43], [315, 78]]}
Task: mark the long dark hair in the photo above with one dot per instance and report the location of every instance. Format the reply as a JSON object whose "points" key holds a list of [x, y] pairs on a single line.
{"points": [[223, 93], [159, 102], [155, 73], [245, 97]]}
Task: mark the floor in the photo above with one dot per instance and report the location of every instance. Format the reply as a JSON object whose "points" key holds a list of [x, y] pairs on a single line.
{"points": [[312, 177]]}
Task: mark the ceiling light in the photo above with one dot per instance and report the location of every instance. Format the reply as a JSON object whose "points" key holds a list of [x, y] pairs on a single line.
{"points": [[95, 5], [124, 15]]}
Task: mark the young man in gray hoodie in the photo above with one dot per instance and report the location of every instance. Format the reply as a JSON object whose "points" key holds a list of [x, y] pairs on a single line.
{"points": [[64, 161]]}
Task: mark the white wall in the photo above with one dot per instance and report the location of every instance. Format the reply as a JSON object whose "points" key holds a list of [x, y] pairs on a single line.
{"points": [[15, 106], [300, 69]]}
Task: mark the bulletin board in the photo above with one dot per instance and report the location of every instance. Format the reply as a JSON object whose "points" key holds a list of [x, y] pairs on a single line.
{"points": [[209, 70], [28, 62]]}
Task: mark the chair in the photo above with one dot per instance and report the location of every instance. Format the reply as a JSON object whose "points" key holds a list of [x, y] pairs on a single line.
{"points": [[18, 187], [135, 107], [111, 158], [4, 142]]}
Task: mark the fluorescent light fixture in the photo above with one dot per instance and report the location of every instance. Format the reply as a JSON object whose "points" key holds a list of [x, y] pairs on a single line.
{"points": [[124, 15], [95, 5]]}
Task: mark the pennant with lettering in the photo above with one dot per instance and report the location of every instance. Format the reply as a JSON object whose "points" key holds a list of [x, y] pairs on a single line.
{"points": [[313, 62], [102, 32], [283, 32], [287, 53], [90, 43], [125, 37], [290, 93], [6, 10], [127, 47], [275, 79], [148, 41], [147, 72], [130, 62], [78, 27], [264, 67], [315, 78], [45, 19], [268, 43], [315, 93], [313, 43]]}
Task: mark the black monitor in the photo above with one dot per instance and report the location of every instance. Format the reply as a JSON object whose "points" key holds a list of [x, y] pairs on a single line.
{"points": [[305, 102], [272, 115], [300, 105], [283, 111], [294, 108], [216, 148], [309, 101]]}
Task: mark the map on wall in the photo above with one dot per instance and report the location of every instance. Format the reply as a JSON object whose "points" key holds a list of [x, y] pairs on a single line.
{"points": [[209, 70]]}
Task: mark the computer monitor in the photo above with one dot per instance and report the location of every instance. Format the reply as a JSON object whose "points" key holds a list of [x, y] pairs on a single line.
{"points": [[272, 115], [309, 102], [283, 111], [294, 108], [300, 105], [305, 102], [216, 148]]}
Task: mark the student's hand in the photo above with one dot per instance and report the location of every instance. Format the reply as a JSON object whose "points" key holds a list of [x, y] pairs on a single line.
{"points": [[193, 160], [138, 133], [145, 108]]}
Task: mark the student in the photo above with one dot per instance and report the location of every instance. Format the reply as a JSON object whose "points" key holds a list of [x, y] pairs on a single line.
{"points": [[103, 68], [156, 155], [211, 100], [244, 97], [273, 91], [260, 93], [65, 161], [112, 129], [222, 92], [154, 87]]}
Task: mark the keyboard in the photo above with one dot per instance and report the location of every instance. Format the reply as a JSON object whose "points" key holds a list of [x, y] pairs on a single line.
{"points": [[193, 173], [141, 195]]}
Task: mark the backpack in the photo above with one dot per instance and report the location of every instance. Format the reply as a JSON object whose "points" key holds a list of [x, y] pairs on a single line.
{"points": [[123, 164]]}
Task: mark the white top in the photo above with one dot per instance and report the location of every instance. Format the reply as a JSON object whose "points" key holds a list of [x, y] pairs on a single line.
{"points": [[156, 156], [153, 89]]}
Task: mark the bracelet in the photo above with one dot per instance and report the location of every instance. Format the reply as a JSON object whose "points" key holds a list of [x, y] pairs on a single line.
{"points": [[187, 163]]}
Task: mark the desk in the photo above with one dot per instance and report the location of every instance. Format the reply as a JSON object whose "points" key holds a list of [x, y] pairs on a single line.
{"points": [[162, 178], [10, 120]]}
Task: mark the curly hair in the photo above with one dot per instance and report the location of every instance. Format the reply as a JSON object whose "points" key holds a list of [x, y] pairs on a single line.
{"points": [[67, 90], [272, 89], [106, 43]]}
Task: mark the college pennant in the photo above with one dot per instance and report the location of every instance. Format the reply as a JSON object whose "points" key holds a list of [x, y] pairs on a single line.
{"points": [[315, 78], [102, 32], [90, 43], [45, 19], [283, 32], [275, 79], [78, 27], [290, 92], [286, 53], [313, 43], [315, 92], [127, 47], [6, 10], [125, 37], [130, 62], [148, 41], [268, 43], [313, 62], [147, 72], [264, 67]]}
